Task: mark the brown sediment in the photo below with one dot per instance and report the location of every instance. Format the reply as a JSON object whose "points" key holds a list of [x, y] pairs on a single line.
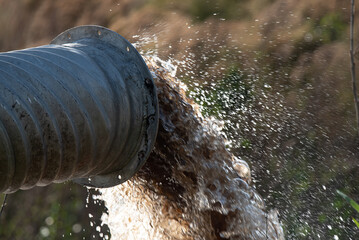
{"points": [[188, 188]]}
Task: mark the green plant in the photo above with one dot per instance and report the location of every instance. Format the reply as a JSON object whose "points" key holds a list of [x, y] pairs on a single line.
{"points": [[332, 27], [232, 92], [352, 203]]}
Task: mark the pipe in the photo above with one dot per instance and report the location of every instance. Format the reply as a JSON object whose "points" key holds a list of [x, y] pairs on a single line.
{"points": [[83, 108]]}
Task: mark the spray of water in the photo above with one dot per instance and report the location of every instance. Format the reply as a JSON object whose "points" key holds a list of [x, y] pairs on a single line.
{"points": [[191, 187]]}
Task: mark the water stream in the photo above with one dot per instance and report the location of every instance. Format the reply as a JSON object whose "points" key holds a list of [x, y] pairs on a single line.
{"points": [[191, 187]]}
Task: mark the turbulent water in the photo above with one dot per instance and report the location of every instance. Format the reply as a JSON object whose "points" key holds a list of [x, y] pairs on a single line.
{"points": [[191, 187]]}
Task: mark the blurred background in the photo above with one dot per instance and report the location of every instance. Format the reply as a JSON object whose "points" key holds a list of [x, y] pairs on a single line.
{"points": [[276, 73]]}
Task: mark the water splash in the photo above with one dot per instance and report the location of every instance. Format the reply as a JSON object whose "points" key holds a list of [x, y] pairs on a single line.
{"points": [[191, 187]]}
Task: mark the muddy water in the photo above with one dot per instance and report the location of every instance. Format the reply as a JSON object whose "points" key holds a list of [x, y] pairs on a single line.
{"points": [[191, 187]]}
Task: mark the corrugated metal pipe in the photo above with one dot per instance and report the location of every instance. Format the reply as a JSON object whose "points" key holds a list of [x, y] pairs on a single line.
{"points": [[83, 108]]}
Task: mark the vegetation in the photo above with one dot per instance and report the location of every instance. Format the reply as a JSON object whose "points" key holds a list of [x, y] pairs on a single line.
{"points": [[352, 203]]}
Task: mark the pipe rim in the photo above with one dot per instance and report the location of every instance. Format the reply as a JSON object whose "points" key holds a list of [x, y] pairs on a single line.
{"points": [[152, 114]]}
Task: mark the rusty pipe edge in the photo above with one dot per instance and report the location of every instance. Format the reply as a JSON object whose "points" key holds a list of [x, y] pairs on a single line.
{"points": [[83, 108]]}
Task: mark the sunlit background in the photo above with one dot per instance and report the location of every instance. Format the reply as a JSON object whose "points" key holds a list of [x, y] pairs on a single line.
{"points": [[276, 73]]}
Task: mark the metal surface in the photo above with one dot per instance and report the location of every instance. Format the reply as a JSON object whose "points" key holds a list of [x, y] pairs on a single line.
{"points": [[83, 108]]}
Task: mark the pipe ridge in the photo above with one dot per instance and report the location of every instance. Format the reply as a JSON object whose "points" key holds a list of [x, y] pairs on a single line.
{"points": [[11, 158], [84, 83], [58, 101], [79, 104], [47, 109], [35, 121], [114, 87], [23, 135]]}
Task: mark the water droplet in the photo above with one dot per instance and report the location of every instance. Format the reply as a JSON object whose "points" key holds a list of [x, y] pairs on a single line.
{"points": [[76, 228], [44, 231], [49, 221]]}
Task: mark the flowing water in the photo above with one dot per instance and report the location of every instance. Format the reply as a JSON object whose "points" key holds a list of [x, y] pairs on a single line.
{"points": [[191, 187]]}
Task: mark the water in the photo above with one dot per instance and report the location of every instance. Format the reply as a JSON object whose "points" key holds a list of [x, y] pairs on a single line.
{"points": [[277, 89], [299, 148], [191, 187]]}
